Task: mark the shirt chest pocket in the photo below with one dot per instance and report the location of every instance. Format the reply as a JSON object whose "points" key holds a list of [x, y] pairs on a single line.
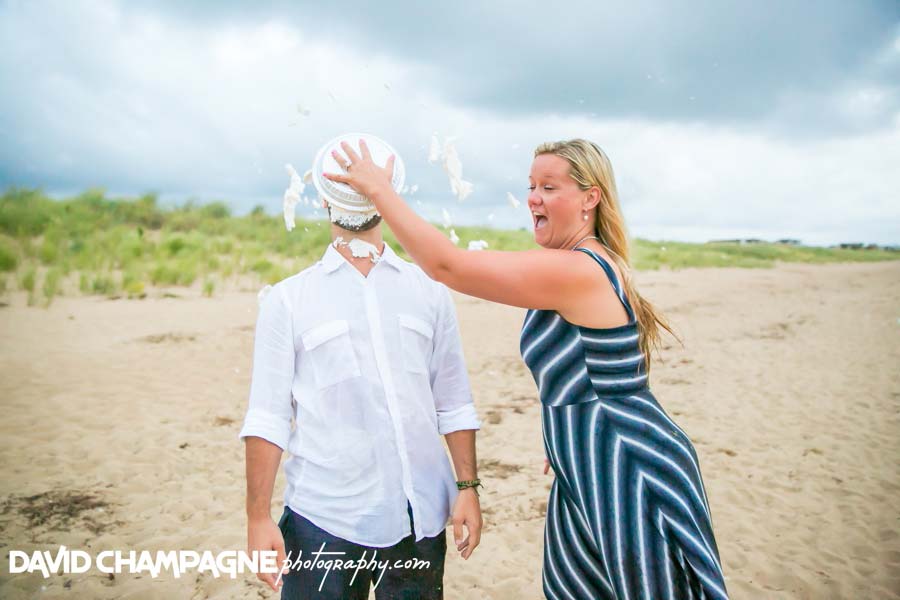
{"points": [[330, 351], [417, 338]]}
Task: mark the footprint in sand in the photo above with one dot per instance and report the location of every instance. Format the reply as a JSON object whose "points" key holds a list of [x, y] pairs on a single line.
{"points": [[494, 417], [64, 510], [497, 469], [775, 331], [674, 381], [525, 400], [505, 365], [539, 507], [781, 329], [172, 336]]}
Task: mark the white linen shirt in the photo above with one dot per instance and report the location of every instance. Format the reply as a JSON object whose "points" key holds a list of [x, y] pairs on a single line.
{"points": [[371, 370]]}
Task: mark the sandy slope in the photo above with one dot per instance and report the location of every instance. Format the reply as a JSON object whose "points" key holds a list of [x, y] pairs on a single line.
{"points": [[788, 384]]}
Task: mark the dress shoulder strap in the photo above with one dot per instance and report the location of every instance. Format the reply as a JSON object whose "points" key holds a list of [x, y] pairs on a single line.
{"points": [[611, 274]]}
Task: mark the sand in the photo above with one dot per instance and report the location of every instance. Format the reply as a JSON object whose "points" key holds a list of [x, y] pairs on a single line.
{"points": [[788, 383]]}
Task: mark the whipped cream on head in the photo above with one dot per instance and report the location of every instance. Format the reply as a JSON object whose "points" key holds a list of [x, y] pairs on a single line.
{"points": [[358, 248], [350, 220]]}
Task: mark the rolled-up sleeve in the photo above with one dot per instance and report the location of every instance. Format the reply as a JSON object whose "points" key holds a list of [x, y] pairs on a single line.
{"points": [[270, 406], [449, 378]]}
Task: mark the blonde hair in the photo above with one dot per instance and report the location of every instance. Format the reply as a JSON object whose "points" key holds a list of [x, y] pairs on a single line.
{"points": [[590, 167]]}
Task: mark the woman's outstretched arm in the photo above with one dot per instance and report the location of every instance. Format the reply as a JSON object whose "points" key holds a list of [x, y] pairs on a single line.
{"points": [[544, 279]]}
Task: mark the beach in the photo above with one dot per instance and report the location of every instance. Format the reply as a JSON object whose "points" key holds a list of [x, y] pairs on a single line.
{"points": [[125, 414]]}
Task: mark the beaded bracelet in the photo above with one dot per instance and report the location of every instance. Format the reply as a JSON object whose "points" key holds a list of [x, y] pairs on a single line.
{"points": [[469, 483]]}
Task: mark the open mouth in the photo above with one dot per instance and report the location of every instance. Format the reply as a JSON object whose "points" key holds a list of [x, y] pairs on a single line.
{"points": [[539, 221]]}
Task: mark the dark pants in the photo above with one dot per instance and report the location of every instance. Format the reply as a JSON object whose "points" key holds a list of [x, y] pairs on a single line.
{"points": [[398, 572]]}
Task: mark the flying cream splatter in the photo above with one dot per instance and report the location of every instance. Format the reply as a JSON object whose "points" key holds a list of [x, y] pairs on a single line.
{"points": [[454, 238], [513, 201], [434, 150], [477, 245], [291, 197], [453, 167], [446, 216]]}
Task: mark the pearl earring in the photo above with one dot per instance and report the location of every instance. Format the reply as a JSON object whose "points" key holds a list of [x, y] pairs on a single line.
{"points": [[585, 217]]}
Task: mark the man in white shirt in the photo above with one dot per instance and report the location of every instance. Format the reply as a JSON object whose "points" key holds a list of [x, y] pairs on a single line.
{"points": [[363, 354]]}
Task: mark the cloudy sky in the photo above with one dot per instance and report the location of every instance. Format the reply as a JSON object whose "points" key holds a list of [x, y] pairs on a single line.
{"points": [[722, 119]]}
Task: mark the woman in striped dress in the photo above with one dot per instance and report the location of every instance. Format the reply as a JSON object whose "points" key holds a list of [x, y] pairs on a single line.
{"points": [[628, 516]]}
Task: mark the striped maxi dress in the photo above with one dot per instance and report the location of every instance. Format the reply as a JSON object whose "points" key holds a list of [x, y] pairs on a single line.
{"points": [[628, 516]]}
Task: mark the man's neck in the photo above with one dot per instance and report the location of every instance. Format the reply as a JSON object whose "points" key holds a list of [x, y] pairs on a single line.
{"points": [[372, 236]]}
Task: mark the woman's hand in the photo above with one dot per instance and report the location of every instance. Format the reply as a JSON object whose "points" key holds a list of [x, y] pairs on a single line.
{"points": [[361, 173]]}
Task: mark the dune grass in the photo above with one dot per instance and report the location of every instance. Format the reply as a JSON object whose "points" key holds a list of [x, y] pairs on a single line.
{"points": [[92, 244], [678, 255]]}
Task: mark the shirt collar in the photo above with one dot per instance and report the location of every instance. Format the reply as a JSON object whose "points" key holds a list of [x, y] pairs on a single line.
{"points": [[332, 259]]}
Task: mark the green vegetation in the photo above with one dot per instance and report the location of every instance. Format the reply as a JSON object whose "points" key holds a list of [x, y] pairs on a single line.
{"points": [[678, 255], [51, 284], [111, 247], [9, 255], [27, 281]]}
